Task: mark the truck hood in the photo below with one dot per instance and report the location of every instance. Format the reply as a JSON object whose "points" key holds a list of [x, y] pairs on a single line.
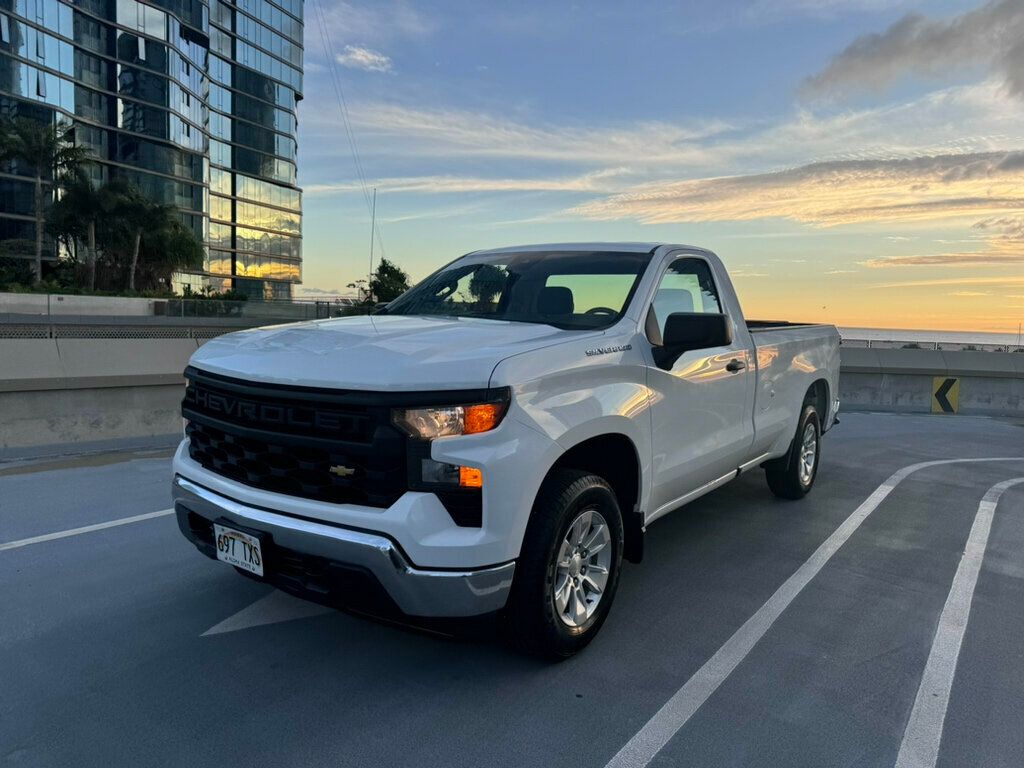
{"points": [[394, 353]]}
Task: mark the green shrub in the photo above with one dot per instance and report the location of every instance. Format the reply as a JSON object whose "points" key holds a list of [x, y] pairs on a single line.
{"points": [[14, 274]]}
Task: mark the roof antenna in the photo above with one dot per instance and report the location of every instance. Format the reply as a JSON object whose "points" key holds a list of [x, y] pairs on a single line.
{"points": [[373, 229]]}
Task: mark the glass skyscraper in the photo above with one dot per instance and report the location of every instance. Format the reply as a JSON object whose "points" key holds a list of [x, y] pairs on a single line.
{"points": [[192, 101]]}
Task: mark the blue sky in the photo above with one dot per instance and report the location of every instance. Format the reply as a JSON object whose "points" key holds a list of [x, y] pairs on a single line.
{"points": [[851, 160]]}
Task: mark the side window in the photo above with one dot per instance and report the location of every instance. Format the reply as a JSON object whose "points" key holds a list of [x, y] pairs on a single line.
{"points": [[686, 287]]}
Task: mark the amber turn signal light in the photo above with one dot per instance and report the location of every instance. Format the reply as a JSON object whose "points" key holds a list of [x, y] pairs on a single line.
{"points": [[471, 477], [482, 418]]}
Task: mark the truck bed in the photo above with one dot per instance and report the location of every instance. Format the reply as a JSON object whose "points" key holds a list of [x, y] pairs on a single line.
{"points": [[766, 325]]}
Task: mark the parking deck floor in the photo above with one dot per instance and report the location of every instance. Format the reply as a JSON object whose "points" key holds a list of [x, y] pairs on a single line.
{"points": [[879, 622]]}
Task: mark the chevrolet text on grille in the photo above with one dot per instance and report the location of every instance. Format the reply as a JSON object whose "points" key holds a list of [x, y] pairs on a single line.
{"points": [[215, 402]]}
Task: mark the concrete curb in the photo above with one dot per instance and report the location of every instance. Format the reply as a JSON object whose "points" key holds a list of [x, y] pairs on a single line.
{"points": [[88, 447]]}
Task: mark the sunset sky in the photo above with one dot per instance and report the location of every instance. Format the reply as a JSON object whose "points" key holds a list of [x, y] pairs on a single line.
{"points": [[859, 162]]}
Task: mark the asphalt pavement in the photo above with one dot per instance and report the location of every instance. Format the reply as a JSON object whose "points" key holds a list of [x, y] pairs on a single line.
{"points": [[756, 632]]}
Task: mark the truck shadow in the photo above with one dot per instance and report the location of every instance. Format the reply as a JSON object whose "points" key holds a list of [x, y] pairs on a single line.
{"points": [[710, 564], [723, 545]]}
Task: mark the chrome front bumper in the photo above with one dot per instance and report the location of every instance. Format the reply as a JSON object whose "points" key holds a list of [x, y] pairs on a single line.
{"points": [[415, 591]]}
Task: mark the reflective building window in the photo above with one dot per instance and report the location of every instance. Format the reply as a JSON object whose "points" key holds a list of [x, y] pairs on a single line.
{"points": [[193, 102]]}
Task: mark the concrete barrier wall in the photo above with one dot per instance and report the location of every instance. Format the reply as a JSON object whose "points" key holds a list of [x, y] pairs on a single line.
{"points": [[67, 418], [60, 364], [66, 391], [902, 380], [42, 304]]}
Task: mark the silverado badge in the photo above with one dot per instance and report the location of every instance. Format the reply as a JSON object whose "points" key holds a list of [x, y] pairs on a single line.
{"points": [[341, 471]]}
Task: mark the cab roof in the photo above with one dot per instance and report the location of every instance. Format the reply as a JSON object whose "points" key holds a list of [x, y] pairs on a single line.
{"points": [[629, 247]]}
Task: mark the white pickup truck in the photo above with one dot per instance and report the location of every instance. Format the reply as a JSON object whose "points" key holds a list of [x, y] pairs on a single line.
{"points": [[498, 438]]}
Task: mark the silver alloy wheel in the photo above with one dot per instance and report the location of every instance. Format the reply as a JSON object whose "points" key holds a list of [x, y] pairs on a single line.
{"points": [[808, 453], [582, 566]]}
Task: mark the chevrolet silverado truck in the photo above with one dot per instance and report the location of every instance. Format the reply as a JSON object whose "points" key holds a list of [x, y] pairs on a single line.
{"points": [[498, 438]]}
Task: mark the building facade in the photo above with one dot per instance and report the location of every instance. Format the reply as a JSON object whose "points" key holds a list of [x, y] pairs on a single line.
{"points": [[193, 102]]}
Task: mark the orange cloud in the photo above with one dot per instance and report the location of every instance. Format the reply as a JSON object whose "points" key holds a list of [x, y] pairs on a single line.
{"points": [[1007, 281], [980, 258], [832, 193]]}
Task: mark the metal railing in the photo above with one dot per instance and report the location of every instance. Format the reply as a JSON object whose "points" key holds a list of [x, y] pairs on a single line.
{"points": [[24, 315], [114, 310], [28, 316], [941, 346], [93, 330], [54, 306]]}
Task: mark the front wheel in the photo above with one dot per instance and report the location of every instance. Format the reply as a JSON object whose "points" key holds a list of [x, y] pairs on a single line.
{"points": [[792, 476], [568, 570]]}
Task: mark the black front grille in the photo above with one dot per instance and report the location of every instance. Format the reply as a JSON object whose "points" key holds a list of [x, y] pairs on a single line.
{"points": [[330, 445], [295, 441], [375, 480]]}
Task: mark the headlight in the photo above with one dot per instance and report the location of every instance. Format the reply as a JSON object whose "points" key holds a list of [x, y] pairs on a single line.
{"points": [[428, 423]]}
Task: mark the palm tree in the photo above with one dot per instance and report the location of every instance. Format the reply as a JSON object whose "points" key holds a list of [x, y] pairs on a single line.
{"points": [[170, 247], [75, 214], [137, 236], [142, 214], [49, 151], [141, 221]]}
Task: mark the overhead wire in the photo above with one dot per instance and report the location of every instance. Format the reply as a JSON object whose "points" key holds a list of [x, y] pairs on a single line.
{"points": [[339, 92]]}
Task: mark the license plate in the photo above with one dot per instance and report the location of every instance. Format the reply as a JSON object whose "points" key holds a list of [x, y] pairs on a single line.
{"points": [[238, 549]]}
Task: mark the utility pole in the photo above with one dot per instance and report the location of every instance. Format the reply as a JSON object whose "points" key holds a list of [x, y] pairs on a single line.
{"points": [[373, 229]]}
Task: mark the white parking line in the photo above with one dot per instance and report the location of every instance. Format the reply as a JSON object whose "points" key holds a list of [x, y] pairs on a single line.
{"points": [[674, 714], [84, 529], [921, 739]]}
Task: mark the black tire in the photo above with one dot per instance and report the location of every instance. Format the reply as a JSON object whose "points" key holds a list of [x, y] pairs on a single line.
{"points": [[530, 619], [784, 474]]}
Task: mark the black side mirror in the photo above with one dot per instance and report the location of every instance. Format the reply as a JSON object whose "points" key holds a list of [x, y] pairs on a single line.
{"points": [[691, 330]]}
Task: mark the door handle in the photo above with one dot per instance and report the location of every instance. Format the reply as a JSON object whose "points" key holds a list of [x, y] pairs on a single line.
{"points": [[735, 366]]}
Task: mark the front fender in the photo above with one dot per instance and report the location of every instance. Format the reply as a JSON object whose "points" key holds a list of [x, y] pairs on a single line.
{"points": [[576, 396]]}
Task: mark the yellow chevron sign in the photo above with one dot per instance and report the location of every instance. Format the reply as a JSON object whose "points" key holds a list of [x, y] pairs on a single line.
{"points": [[945, 394]]}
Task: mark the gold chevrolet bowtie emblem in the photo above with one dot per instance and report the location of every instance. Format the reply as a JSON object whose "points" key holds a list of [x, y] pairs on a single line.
{"points": [[342, 471]]}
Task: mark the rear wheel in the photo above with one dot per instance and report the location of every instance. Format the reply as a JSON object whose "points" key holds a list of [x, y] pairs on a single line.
{"points": [[792, 476], [568, 571]]}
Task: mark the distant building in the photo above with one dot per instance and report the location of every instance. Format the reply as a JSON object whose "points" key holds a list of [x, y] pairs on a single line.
{"points": [[193, 102]]}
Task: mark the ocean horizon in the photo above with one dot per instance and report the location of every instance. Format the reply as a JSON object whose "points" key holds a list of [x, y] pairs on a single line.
{"points": [[918, 335]]}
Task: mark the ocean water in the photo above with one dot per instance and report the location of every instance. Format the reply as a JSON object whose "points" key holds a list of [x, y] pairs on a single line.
{"points": [[952, 337]]}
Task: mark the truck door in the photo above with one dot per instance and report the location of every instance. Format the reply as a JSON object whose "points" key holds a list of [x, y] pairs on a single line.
{"points": [[701, 408]]}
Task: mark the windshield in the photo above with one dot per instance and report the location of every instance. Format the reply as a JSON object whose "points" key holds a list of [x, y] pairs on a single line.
{"points": [[577, 289]]}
